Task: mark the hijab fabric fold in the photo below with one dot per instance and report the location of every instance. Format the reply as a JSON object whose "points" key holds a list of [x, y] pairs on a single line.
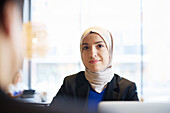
{"points": [[99, 80]]}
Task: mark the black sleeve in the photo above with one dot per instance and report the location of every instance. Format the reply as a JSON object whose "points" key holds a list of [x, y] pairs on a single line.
{"points": [[64, 98], [60, 97], [132, 93]]}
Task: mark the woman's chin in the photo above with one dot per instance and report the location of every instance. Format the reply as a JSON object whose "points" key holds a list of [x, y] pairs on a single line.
{"points": [[95, 70]]}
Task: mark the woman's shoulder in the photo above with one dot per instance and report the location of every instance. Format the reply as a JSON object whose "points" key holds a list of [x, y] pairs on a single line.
{"points": [[74, 77], [122, 80], [127, 89]]}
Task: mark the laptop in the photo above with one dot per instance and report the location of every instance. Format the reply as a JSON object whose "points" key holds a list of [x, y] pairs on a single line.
{"points": [[133, 107], [28, 93]]}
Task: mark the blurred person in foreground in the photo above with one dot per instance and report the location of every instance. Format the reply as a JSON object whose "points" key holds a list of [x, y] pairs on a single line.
{"points": [[11, 56], [98, 82]]}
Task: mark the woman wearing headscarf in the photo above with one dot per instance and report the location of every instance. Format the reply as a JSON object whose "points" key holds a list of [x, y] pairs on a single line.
{"points": [[98, 82]]}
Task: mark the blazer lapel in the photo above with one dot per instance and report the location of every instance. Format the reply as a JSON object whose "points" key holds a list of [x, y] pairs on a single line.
{"points": [[111, 93], [83, 87], [112, 90]]}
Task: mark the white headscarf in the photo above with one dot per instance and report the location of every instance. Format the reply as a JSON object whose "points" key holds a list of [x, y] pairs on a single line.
{"points": [[99, 80]]}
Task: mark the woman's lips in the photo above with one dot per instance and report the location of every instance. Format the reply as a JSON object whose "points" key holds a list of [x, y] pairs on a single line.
{"points": [[94, 61]]}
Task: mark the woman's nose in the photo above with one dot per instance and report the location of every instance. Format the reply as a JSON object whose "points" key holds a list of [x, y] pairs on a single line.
{"points": [[93, 52]]}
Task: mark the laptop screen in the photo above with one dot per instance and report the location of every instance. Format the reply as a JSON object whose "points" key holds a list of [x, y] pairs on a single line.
{"points": [[133, 107]]}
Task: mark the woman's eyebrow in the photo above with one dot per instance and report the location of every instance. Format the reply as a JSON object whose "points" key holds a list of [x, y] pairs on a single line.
{"points": [[85, 44], [98, 42], [94, 43]]}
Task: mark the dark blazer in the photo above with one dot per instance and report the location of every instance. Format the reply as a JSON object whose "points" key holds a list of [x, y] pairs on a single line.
{"points": [[76, 88]]}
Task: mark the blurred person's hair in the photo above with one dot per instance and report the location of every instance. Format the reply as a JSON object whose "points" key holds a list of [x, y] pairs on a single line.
{"points": [[19, 3]]}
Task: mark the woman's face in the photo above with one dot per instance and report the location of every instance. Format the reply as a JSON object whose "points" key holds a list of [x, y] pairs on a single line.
{"points": [[95, 54]]}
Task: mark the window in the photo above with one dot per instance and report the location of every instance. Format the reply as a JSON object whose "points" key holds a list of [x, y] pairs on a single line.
{"points": [[64, 21]]}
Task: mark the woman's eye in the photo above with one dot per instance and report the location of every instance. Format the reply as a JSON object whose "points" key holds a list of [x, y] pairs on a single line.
{"points": [[100, 46], [85, 47]]}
